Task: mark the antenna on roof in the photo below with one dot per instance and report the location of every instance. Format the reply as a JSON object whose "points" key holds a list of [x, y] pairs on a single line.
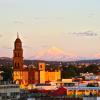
{"points": [[17, 35]]}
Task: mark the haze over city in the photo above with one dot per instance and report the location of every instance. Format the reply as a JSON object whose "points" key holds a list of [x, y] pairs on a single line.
{"points": [[68, 26]]}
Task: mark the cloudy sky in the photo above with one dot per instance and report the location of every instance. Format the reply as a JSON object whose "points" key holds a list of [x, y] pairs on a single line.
{"points": [[71, 25]]}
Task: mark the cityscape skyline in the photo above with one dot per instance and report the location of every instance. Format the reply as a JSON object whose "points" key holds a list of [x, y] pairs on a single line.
{"points": [[51, 24], [49, 49]]}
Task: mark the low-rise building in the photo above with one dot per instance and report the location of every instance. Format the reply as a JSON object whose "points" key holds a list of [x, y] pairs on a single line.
{"points": [[9, 91]]}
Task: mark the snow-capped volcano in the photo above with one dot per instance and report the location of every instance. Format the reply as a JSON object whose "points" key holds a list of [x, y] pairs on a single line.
{"points": [[53, 54], [96, 56]]}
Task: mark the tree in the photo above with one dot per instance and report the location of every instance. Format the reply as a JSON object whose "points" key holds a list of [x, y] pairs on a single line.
{"points": [[69, 72], [7, 73], [93, 68]]}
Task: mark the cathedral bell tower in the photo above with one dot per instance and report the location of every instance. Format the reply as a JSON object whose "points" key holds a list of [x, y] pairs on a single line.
{"points": [[18, 55]]}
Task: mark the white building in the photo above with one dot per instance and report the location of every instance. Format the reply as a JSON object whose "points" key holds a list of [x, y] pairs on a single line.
{"points": [[91, 98], [89, 76], [9, 91]]}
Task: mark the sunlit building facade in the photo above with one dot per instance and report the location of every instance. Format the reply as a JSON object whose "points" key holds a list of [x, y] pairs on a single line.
{"points": [[29, 75], [21, 75], [48, 75]]}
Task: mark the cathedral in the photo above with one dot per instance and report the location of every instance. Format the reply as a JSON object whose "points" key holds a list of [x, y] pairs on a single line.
{"points": [[24, 76]]}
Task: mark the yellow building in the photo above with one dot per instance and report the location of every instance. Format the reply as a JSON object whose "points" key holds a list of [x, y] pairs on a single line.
{"points": [[47, 75]]}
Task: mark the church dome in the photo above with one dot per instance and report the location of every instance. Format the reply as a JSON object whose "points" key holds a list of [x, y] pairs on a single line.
{"points": [[17, 40]]}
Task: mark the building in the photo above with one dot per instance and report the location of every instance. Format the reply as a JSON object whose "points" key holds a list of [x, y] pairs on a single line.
{"points": [[90, 76], [80, 91], [9, 91], [91, 98], [47, 75], [22, 75], [28, 75]]}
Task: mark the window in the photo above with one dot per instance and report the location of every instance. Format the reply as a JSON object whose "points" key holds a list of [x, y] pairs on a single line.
{"points": [[18, 64], [15, 55], [15, 64]]}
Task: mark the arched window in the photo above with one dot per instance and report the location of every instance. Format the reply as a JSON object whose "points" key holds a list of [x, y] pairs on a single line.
{"points": [[18, 64], [18, 54], [15, 55], [15, 64]]}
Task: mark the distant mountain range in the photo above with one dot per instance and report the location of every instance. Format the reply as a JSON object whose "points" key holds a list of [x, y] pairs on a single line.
{"points": [[53, 54], [5, 58], [56, 54], [6, 61]]}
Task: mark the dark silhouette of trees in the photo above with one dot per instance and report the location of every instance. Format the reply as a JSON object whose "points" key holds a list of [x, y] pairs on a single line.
{"points": [[73, 71], [92, 69], [7, 73], [69, 72]]}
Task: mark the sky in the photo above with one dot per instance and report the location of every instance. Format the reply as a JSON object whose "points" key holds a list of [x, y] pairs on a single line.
{"points": [[70, 25]]}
